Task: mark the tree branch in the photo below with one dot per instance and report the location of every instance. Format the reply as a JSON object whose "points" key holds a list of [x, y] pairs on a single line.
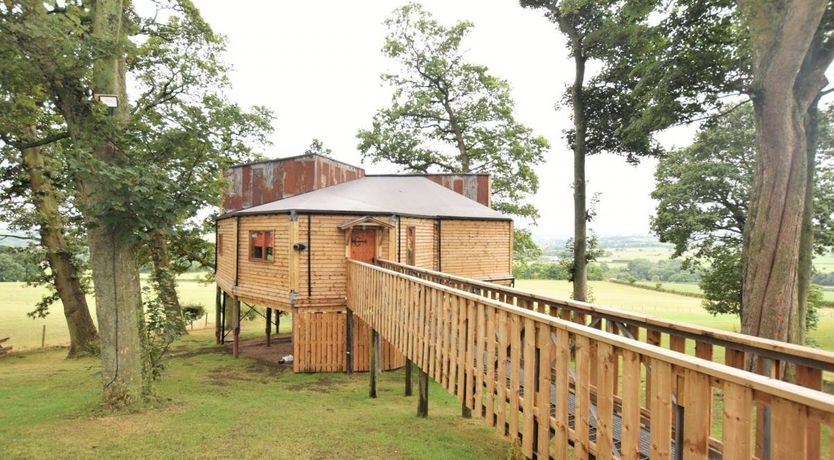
{"points": [[3, 236]]}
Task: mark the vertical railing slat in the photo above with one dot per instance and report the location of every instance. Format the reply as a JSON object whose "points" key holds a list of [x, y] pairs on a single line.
{"points": [[581, 446], [661, 409], [605, 400]]}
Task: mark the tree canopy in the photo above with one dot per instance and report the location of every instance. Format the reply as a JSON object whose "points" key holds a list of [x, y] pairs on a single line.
{"points": [[450, 115], [703, 193]]}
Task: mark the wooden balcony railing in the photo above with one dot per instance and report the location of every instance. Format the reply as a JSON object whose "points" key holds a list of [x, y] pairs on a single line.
{"points": [[549, 383], [768, 357]]}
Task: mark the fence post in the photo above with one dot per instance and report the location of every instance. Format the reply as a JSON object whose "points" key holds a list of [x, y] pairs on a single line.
{"points": [[43, 337], [409, 387], [423, 402], [373, 370], [268, 327], [349, 342]]}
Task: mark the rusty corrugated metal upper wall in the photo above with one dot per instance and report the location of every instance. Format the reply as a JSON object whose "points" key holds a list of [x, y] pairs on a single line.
{"points": [[253, 184], [256, 183], [476, 187]]}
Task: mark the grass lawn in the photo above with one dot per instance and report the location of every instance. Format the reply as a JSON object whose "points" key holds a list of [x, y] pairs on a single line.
{"points": [[214, 406]]}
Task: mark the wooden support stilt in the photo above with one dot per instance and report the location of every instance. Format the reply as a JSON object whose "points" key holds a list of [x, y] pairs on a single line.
{"points": [[268, 327], [423, 388], [277, 322], [236, 324], [349, 342], [465, 412], [409, 387], [373, 370], [218, 332], [223, 320]]}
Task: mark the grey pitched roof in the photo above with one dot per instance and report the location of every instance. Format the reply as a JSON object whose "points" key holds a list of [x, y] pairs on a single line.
{"points": [[381, 195]]}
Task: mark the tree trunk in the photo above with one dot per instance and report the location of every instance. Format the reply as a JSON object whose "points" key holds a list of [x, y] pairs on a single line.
{"points": [[781, 34], [83, 336], [806, 244], [164, 280], [580, 222], [113, 243]]}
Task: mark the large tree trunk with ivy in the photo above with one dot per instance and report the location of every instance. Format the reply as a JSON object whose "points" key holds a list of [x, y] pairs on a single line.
{"points": [[580, 221], [65, 277], [785, 86], [164, 279], [113, 243]]}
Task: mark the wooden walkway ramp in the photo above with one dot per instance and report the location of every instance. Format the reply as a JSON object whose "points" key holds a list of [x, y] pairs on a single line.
{"points": [[549, 381]]}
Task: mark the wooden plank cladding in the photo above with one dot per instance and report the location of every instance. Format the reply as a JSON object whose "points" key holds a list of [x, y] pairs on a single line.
{"points": [[551, 383], [319, 343], [476, 249], [307, 267], [729, 348]]}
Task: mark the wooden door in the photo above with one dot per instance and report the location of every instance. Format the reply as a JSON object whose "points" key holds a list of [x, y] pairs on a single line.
{"points": [[363, 245]]}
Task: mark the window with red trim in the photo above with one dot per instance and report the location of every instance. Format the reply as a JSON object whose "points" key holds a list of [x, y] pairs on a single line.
{"points": [[261, 245]]}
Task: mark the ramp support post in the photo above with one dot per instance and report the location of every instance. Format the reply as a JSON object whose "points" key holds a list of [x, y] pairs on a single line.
{"points": [[373, 371], [423, 402]]}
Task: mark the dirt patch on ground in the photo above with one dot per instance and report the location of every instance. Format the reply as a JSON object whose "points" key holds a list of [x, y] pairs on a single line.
{"points": [[224, 377], [256, 349], [184, 352], [324, 385]]}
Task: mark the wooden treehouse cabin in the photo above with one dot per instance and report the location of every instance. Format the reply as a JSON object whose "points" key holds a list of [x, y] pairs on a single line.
{"points": [[291, 225], [422, 265]]}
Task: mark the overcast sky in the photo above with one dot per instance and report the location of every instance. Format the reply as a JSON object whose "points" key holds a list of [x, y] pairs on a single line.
{"points": [[317, 65]]}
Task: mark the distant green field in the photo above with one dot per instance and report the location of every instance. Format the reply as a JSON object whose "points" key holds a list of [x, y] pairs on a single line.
{"points": [[666, 305], [25, 332], [689, 288], [619, 257]]}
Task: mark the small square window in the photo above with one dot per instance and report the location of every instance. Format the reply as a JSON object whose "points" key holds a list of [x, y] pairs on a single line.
{"points": [[261, 245]]}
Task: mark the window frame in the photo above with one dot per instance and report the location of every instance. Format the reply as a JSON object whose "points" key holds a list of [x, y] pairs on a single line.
{"points": [[265, 253]]}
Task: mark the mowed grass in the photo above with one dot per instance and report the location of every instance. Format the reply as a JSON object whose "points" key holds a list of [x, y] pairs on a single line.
{"points": [[25, 332], [215, 406], [669, 306]]}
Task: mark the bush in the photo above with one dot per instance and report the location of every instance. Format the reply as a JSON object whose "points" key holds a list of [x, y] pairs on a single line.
{"points": [[192, 313]]}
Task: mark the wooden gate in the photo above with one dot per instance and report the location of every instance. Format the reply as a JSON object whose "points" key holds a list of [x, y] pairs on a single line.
{"points": [[319, 343]]}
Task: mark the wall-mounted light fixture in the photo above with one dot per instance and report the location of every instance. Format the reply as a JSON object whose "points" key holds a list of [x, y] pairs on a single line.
{"points": [[299, 246]]}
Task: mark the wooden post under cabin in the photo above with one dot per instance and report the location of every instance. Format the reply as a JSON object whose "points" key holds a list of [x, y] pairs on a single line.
{"points": [[409, 388], [423, 402], [268, 327], [236, 324], [349, 342], [223, 320], [218, 332], [373, 370]]}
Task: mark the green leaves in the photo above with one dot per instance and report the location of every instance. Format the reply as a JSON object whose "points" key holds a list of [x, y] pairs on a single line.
{"points": [[703, 194], [449, 115]]}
